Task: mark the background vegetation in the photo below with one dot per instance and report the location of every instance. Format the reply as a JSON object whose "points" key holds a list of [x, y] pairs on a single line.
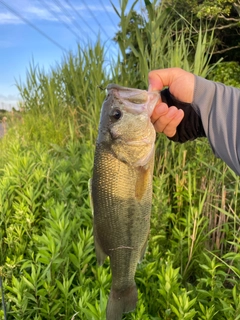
{"points": [[47, 261]]}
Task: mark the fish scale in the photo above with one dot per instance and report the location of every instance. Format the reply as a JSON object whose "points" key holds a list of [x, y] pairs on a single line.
{"points": [[122, 192]]}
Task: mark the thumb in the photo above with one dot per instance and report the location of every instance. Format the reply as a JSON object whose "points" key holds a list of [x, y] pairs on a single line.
{"points": [[180, 82], [160, 78]]}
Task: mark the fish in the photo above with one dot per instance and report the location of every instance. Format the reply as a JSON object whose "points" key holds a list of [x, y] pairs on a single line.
{"points": [[121, 189]]}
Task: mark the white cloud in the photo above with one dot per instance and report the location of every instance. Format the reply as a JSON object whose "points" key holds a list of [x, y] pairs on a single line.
{"points": [[27, 10], [9, 18], [34, 10]]}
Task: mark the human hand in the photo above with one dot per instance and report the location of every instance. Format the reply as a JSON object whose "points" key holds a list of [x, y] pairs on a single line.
{"points": [[166, 119], [181, 85]]}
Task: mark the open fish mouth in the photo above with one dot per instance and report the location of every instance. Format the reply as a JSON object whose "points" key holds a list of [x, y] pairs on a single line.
{"points": [[134, 100]]}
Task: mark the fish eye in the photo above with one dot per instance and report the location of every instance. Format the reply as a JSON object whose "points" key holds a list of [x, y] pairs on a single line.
{"points": [[116, 114]]}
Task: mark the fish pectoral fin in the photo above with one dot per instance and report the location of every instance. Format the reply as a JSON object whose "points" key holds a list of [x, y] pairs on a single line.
{"points": [[101, 255], [142, 182]]}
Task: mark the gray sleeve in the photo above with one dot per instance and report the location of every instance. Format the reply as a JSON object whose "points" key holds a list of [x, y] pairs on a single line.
{"points": [[219, 108]]}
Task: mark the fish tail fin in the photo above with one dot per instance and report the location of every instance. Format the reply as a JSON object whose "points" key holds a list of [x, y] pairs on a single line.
{"points": [[121, 301]]}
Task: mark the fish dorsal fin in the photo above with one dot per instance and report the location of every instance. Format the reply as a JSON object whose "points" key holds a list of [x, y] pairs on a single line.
{"points": [[90, 194]]}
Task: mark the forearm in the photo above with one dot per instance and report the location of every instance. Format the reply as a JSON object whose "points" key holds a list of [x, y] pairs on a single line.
{"points": [[215, 114], [219, 109]]}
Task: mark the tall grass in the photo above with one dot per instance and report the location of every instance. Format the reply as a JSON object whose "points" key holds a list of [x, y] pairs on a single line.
{"points": [[47, 260]]}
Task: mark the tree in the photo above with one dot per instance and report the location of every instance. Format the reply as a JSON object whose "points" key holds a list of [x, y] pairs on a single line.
{"points": [[222, 15], [177, 16]]}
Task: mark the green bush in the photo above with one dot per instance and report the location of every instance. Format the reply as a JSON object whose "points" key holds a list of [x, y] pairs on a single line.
{"points": [[227, 73]]}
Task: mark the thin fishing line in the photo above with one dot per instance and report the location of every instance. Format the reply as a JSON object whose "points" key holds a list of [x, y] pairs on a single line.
{"points": [[32, 25], [48, 8], [81, 18], [94, 17], [65, 12]]}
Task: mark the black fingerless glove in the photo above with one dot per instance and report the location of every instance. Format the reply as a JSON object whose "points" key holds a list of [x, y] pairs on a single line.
{"points": [[191, 126]]}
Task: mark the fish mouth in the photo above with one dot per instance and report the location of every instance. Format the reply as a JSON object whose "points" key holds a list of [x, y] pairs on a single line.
{"points": [[123, 89], [135, 100]]}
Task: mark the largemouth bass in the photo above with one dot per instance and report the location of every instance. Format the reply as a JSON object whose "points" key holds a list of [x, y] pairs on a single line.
{"points": [[122, 189]]}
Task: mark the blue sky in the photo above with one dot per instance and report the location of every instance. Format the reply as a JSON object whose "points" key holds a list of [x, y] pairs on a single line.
{"points": [[20, 43]]}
